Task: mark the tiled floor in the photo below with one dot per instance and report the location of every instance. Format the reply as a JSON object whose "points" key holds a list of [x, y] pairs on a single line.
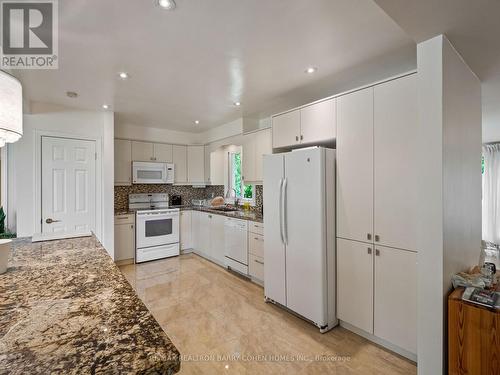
{"points": [[221, 324]]}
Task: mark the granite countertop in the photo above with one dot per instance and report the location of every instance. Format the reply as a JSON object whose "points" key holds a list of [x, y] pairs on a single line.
{"points": [[240, 214], [66, 308]]}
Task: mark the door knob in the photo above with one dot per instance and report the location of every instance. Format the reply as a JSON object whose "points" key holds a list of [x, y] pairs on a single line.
{"points": [[50, 221]]}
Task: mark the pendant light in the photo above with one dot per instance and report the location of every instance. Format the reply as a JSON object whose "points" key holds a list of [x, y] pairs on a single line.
{"points": [[11, 109]]}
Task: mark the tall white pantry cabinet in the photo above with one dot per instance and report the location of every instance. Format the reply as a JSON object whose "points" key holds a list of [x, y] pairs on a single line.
{"points": [[376, 212]]}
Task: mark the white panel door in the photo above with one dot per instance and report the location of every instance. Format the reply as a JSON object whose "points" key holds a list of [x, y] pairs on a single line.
{"points": [[274, 248], [142, 151], [318, 122], [163, 152], [123, 162], [395, 312], [396, 157], [179, 157], [305, 233], [196, 164], [186, 230], [68, 185], [217, 239], [355, 283], [286, 129], [263, 146], [355, 166], [248, 157]]}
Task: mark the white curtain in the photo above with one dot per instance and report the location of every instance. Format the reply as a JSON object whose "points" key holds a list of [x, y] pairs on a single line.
{"points": [[491, 193]]}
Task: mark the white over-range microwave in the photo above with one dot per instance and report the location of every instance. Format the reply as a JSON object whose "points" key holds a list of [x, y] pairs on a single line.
{"points": [[152, 173]]}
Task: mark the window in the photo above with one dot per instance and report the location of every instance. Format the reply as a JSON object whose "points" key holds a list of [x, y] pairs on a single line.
{"points": [[246, 193]]}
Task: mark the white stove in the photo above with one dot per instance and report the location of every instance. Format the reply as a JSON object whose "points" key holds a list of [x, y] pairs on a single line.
{"points": [[157, 227]]}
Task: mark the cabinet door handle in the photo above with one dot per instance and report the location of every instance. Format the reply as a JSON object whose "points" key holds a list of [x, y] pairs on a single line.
{"points": [[297, 138], [377, 252], [132, 226], [369, 250], [258, 261], [368, 236], [301, 137], [377, 238]]}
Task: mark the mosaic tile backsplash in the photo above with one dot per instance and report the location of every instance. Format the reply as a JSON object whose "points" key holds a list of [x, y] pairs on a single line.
{"points": [[186, 192]]}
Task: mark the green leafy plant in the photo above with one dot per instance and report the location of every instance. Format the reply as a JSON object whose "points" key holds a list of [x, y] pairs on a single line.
{"points": [[248, 192]]}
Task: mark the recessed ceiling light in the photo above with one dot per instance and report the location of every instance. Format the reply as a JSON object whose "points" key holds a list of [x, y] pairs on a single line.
{"points": [[197, 122], [123, 75], [311, 70], [167, 4], [71, 94], [105, 106], [237, 104]]}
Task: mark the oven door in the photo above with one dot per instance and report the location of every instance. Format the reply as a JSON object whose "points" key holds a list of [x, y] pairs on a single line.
{"points": [[156, 228], [149, 173]]}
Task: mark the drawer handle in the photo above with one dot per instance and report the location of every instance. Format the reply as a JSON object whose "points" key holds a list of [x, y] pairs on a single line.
{"points": [[368, 236], [121, 218], [258, 261], [377, 252], [377, 238], [258, 239], [369, 250]]}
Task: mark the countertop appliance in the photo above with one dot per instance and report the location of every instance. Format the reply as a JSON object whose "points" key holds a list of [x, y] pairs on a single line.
{"points": [[157, 227], [299, 251], [236, 245], [152, 173], [176, 200]]}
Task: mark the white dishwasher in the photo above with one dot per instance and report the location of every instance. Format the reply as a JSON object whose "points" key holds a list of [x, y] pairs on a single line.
{"points": [[236, 244]]}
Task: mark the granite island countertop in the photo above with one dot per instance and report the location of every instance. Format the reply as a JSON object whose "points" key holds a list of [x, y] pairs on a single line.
{"points": [[240, 214], [66, 308]]}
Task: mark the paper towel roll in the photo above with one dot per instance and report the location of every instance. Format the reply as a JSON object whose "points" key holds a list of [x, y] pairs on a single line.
{"points": [[4, 254]]}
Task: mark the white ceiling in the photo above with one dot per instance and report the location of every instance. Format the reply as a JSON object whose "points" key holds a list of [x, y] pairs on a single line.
{"points": [[473, 27], [194, 62]]}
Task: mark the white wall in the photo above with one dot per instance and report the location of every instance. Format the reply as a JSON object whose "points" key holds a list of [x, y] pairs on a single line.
{"points": [[450, 190], [23, 161]]}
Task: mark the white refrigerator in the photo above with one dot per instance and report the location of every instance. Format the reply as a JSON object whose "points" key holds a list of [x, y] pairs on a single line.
{"points": [[299, 232]]}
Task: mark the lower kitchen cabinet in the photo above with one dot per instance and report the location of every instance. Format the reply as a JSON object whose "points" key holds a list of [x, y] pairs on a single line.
{"points": [[377, 291], [124, 237], [256, 251], [355, 283], [395, 308], [208, 235], [256, 268], [186, 230]]}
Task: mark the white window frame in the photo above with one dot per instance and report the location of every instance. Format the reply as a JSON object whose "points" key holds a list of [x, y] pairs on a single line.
{"points": [[242, 200]]}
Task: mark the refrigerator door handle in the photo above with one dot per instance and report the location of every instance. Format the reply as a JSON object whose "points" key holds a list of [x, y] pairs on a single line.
{"points": [[283, 207], [281, 211]]}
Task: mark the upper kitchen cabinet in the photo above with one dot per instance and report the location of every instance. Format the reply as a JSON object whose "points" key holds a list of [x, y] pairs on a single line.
{"points": [[355, 166], [179, 158], [286, 129], [317, 122], [196, 164], [163, 152], [217, 167], [255, 145], [396, 154], [123, 162], [142, 151], [312, 124]]}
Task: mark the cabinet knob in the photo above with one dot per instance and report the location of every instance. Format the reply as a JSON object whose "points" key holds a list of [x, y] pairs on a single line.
{"points": [[368, 236], [369, 250]]}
